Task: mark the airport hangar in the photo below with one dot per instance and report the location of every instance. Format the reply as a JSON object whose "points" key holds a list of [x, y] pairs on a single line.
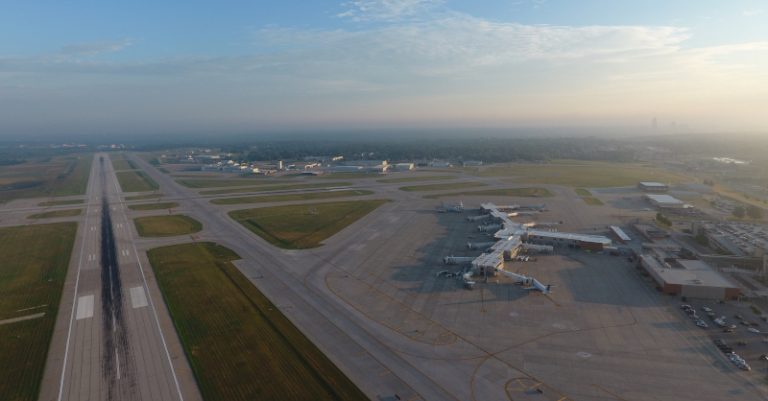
{"points": [[653, 186], [689, 278], [665, 201]]}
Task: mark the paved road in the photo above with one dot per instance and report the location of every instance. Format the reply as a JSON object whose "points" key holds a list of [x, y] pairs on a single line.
{"points": [[108, 343]]}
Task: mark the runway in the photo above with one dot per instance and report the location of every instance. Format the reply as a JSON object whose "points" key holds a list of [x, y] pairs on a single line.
{"points": [[108, 344]]}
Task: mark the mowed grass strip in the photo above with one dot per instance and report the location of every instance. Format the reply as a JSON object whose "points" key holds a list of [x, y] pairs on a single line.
{"points": [[59, 176], [303, 226], [56, 213], [238, 182], [442, 187], [122, 164], [518, 192], [285, 187], [135, 181], [62, 202], [587, 197], [143, 197], [154, 206], [581, 173], [35, 261], [417, 178], [166, 226], [239, 345], [291, 197]]}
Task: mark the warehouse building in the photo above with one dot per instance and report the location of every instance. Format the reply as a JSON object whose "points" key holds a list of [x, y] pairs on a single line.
{"points": [[665, 201], [649, 186], [689, 278]]}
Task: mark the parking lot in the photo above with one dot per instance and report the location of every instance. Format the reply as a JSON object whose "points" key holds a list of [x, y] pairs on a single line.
{"points": [[745, 332]]}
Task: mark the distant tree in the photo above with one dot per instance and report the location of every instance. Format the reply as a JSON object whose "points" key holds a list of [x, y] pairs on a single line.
{"points": [[754, 212], [739, 212], [663, 219], [702, 239]]}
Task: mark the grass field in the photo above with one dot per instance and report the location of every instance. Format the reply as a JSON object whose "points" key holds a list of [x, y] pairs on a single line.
{"points": [[62, 202], [143, 197], [587, 197], [239, 344], [441, 187], [417, 178], [303, 226], [59, 176], [581, 174], [238, 182], [35, 260], [119, 162], [518, 192], [166, 226], [291, 197], [154, 206], [56, 213], [135, 181], [284, 187]]}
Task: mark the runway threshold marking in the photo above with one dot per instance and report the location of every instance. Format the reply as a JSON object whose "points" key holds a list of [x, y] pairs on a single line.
{"points": [[84, 307], [138, 297]]}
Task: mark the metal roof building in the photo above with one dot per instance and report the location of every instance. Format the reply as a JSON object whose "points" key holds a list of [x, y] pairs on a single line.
{"points": [[665, 201], [690, 278]]}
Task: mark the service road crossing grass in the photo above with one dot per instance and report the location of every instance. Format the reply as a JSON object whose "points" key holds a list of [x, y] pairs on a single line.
{"points": [[35, 261], [292, 197], [240, 346], [166, 226], [303, 226]]}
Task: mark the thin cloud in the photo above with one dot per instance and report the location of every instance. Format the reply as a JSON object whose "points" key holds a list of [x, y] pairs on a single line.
{"points": [[387, 10], [95, 48]]}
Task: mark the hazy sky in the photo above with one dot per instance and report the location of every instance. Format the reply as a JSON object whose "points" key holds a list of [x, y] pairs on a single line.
{"points": [[225, 66]]}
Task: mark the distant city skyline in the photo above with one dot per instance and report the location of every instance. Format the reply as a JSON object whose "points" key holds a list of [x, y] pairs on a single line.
{"points": [[89, 68]]}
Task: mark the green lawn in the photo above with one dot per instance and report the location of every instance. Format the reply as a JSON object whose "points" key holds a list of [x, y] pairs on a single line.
{"points": [[518, 192], [238, 182], [119, 162], [135, 181], [284, 187], [291, 197], [166, 226], [592, 201], [303, 226], [62, 202], [581, 173], [417, 178], [154, 206], [239, 345], [587, 197], [35, 261], [442, 187], [58, 176], [56, 213]]}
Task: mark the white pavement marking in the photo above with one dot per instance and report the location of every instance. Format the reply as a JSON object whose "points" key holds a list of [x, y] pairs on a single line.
{"points": [[149, 297], [84, 307], [91, 178], [23, 318], [117, 358], [138, 297]]}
